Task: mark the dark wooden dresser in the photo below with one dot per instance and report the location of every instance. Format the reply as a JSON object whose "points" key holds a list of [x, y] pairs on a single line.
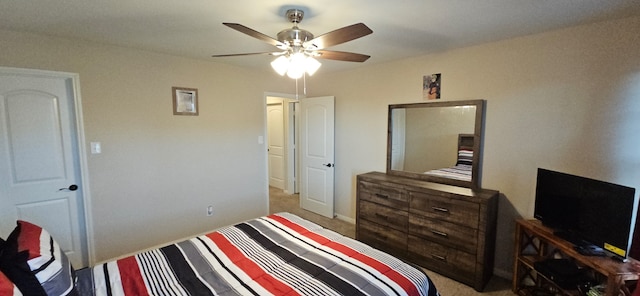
{"points": [[447, 229]]}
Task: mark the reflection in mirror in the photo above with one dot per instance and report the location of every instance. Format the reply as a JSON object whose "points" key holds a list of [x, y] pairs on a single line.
{"points": [[438, 142]]}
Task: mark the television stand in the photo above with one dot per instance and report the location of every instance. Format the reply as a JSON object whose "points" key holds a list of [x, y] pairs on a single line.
{"points": [[582, 246], [572, 238], [535, 242]]}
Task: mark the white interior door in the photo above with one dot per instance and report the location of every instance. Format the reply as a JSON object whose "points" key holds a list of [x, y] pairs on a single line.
{"points": [[39, 158], [317, 155], [275, 139]]}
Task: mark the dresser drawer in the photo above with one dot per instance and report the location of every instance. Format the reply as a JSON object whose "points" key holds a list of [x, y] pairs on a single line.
{"points": [[454, 263], [383, 238], [448, 229], [389, 196], [452, 210], [446, 233], [383, 215]]}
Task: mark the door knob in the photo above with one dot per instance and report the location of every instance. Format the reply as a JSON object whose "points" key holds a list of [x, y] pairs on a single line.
{"points": [[328, 165], [73, 187]]}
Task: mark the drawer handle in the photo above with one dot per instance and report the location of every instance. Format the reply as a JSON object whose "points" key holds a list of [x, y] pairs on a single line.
{"points": [[440, 233], [438, 257], [382, 196], [439, 209], [381, 216]]}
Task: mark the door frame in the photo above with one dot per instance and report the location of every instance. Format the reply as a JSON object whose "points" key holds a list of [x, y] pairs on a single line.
{"points": [[292, 183], [280, 104], [293, 132], [79, 145]]}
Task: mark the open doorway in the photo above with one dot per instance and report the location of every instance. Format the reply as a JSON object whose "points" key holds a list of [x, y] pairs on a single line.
{"points": [[300, 137], [282, 135]]}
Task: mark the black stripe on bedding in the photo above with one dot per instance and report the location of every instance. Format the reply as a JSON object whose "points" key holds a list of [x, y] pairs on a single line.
{"points": [[323, 258], [432, 289], [106, 279], [216, 281], [253, 292], [52, 253], [155, 273], [293, 235], [274, 265], [183, 271], [318, 272]]}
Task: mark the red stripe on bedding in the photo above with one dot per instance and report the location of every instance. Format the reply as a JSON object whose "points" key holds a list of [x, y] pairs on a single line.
{"points": [[30, 240], [132, 282], [253, 270], [397, 277], [7, 287]]}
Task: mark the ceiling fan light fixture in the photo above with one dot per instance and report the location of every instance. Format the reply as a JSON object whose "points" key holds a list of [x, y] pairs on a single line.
{"points": [[280, 65], [295, 73], [311, 65], [297, 65]]}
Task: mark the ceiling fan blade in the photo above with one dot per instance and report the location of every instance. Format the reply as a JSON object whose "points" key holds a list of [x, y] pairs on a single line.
{"points": [[255, 34], [339, 36], [342, 56], [246, 54]]}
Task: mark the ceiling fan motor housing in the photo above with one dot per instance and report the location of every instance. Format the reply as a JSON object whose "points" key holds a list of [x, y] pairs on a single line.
{"points": [[294, 36]]}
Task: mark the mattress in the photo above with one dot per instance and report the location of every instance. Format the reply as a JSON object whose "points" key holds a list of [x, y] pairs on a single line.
{"points": [[279, 254]]}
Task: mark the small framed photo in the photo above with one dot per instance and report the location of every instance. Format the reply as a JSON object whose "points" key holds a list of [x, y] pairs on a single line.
{"points": [[185, 101], [431, 86]]}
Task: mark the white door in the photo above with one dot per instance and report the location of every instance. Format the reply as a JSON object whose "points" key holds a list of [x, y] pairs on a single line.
{"points": [[275, 138], [39, 158], [317, 155]]}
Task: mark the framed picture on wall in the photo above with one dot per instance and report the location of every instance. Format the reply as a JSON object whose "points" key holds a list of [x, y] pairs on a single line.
{"points": [[185, 101], [431, 85]]}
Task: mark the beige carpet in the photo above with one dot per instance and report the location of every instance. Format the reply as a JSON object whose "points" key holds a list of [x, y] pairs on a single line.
{"points": [[280, 202]]}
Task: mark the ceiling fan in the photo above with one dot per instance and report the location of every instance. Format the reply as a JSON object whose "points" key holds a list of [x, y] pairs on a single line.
{"points": [[299, 48]]}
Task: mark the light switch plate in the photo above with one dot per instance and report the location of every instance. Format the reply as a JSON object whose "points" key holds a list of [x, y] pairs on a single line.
{"points": [[96, 148]]}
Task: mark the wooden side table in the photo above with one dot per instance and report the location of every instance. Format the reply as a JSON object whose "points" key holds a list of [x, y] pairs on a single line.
{"points": [[535, 242]]}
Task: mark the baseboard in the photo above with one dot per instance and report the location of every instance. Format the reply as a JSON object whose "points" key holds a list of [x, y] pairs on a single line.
{"points": [[346, 219]]}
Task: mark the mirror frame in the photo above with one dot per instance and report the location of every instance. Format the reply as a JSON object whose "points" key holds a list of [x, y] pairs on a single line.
{"points": [[477, 143]]}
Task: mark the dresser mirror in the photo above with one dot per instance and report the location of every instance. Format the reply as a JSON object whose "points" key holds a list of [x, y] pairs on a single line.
{"points": [[437, 141]]}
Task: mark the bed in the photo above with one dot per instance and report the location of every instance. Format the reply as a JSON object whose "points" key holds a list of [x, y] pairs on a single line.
{"points": [[462, 170], [279, 254]]}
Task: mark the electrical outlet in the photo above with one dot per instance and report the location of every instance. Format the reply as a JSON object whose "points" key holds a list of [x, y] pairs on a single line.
{"points": [[210, 211]]}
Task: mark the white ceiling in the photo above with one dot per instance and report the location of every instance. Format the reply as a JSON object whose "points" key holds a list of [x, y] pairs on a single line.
{"points": [[401, 28]]}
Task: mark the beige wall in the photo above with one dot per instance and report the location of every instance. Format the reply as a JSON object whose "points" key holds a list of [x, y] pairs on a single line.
{"points": [[158, 172], [432, 136], [567, 100]]}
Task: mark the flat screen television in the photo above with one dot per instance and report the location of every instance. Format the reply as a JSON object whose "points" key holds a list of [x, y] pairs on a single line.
{"points": [[586, 211]]}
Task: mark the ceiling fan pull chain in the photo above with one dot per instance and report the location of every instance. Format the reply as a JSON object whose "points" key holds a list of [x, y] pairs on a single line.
{"points": [[304, 84]]}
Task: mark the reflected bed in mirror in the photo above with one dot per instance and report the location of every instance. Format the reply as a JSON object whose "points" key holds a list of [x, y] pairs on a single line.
{"points": [[439, 142]]}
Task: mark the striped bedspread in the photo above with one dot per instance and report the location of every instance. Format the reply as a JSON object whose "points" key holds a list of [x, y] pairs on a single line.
{"points": [[280, 254], [458, 172]]}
